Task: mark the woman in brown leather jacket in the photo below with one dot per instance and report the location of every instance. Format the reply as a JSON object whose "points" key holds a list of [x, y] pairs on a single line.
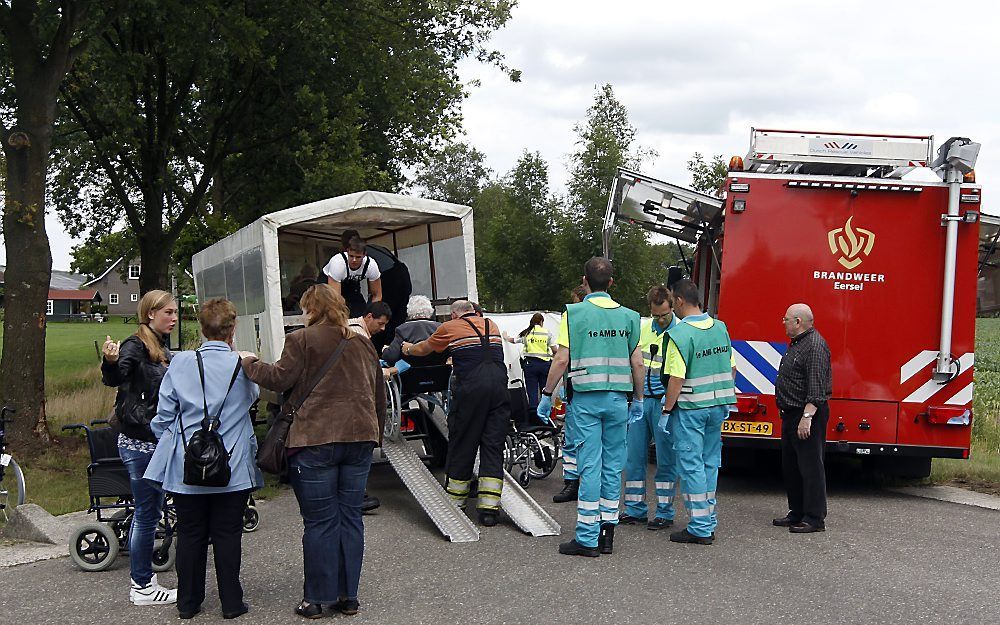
{"points": [[329, 444]]}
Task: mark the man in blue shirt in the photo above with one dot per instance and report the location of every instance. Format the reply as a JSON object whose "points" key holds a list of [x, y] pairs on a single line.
{"points": [[642, 429]]}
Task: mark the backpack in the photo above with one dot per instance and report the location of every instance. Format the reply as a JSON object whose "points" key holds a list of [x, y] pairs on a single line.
{"points": [[206, 460]]}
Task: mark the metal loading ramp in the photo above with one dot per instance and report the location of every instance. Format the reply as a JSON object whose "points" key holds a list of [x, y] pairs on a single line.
{"points": [[526, 513], [421, 483]]}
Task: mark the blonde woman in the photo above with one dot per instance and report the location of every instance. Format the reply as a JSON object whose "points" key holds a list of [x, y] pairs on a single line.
{"points": [[136, 366], [330, 444]]}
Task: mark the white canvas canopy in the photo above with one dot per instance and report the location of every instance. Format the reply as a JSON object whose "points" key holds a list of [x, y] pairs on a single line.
{"points": [[254, 266]]}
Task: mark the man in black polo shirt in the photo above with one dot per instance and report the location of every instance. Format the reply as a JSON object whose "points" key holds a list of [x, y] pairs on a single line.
{"points": [[802, 392]]}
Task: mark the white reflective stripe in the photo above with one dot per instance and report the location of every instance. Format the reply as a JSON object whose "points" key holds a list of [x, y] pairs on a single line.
{"points": [[664, 485], [709, 379], [599, 361], [963, 397], [754, 377], [609, 503], [636, 484], [710, 494], [664, 499], [767, 352], [587, 505], [609, 516], [591, 378], [588, 519], [699, 512], [697, 397], [568, 465], [634, 497], [695, 496], [931, 387], [915, 364]]}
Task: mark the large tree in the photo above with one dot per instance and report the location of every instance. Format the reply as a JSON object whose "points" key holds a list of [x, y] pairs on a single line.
{"points": [[40, 43], [237, 109], [606, 141]]}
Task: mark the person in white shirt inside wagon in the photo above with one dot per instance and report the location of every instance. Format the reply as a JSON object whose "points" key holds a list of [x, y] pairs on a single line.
{"points": [[348, 269]]}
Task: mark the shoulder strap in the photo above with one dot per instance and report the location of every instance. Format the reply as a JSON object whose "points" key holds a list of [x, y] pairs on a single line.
{"points": [[322, 372], [204, 398], [484, 341], [364, 270]]}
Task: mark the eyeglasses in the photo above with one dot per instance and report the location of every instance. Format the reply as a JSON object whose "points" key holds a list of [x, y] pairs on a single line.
{"points": [[787, 319]]}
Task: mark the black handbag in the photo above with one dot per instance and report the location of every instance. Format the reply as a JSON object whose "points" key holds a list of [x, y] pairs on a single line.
{"points": [[206, 460], [272, 455]]}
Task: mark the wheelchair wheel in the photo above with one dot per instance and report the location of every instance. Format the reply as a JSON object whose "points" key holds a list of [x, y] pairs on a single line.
{"points": [[251, 519], [164, 555], [541, 458], [524, 478], [93, 547]]}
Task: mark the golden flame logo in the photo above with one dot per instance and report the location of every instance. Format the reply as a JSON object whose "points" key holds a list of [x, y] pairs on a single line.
{"points": [[851, 244]]}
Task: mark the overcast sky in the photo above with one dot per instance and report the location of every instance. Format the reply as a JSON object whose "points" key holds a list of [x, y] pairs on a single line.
{"points": [[696, 76]]}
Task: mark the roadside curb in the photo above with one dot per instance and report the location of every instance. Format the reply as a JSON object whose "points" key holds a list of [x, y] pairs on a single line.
{"points": [[38, 535], [951, 494]]}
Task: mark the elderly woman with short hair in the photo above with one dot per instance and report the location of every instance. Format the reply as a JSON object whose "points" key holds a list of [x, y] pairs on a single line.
{"points": [[218, 386], [419, 325]]}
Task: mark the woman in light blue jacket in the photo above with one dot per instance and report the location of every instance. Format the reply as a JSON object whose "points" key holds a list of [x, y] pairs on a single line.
{"points": [[207, 512]]}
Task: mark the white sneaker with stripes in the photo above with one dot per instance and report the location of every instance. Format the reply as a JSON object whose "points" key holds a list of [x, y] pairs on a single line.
{"points": [[152, 593]]}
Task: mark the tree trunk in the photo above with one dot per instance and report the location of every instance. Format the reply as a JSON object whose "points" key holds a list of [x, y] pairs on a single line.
{"points": [[29, 267], [154, 252]]}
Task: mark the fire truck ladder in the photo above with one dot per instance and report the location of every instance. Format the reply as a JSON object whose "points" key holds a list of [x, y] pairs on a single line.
{"points": [[422, 484], [526, 513]]}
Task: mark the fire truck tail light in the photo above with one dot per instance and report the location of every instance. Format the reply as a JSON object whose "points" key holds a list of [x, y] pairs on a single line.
{"points": [[739, 206], [949, 415], [969, 198], [748, 404]]}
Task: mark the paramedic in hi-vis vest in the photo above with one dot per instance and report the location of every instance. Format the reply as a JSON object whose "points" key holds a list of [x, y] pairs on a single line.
{"points": [[348, 269], [571, 477], [539, 345], [599, 352], [645, 426], [700, 365]]}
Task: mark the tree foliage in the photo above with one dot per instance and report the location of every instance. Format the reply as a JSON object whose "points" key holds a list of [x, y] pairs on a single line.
{"points": [[456, 173], [707, 176]]}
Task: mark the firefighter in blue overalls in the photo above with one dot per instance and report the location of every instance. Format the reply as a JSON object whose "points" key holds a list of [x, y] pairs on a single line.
{"points": [[639, 432], [599, 346], [571, 477], [698, 372], [348, 269]]}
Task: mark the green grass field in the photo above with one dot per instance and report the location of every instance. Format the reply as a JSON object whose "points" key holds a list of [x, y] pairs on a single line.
{"points": [[57, 480]]}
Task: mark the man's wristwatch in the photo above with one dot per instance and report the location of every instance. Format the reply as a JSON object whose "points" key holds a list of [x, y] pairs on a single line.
{"points": [[546, 392]]}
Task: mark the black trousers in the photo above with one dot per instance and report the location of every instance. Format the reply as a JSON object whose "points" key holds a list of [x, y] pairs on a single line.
{"points": [[218, 516], [479, 421], [802, 465]]}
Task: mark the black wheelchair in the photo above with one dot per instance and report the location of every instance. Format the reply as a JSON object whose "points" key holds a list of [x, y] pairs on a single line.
{"points": [[417, 411], [95, 545], [531, 450]]}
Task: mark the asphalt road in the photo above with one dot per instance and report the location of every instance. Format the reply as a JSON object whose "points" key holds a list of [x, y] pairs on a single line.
{"points": [[885, 558]]}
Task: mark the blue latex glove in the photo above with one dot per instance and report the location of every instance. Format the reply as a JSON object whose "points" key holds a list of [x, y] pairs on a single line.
{"points": [[664, 422], [544, 411], [402, 366], [634, 412]]}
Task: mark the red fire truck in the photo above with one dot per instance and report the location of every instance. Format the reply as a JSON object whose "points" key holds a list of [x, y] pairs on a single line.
{"points": [[880, 236]]}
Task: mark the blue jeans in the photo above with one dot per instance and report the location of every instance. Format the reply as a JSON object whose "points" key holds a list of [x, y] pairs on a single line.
{"points": [[149, 502], [329, 484], [536, 372]]}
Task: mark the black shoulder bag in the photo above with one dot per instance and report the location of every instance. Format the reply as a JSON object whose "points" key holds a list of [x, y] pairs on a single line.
{"points": [[272, 456], [206, 460]]}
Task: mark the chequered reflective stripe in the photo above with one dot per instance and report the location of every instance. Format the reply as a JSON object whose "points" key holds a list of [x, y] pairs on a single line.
{"points": [[635, 490], [490, 489], [458, 490], [609, 509], [588, 512], [698, 504]]}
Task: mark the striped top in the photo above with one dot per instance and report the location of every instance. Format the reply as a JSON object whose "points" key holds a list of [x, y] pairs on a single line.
{"points": [[464, 345]]}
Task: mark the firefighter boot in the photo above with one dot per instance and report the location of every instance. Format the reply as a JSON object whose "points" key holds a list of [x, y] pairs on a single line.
{"points": [[606, 539], [569, 492]]}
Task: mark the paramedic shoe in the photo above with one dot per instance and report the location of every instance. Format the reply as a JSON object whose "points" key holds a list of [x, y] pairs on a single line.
{"points": [[370, 503], [309, 610], [628, 519], [151, 594], [606, 539], [806, 528], [786, 521], [240, 611], [488, 518], [685, 536], [658, 523], [573, 548], [346, 606], [568, 493]]}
